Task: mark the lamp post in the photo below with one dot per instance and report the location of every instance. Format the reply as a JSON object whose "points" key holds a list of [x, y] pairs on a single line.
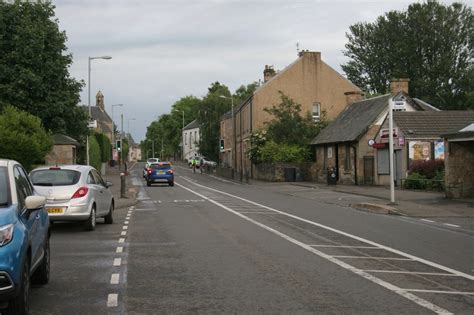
{"points": [[234, 138], [182, 139], [113, 129], [89, 98], [128, 129]]}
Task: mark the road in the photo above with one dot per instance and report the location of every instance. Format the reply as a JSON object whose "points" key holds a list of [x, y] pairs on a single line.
{"points": [[211, 245]]}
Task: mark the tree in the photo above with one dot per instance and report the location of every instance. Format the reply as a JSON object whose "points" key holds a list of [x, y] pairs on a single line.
{"points": [[23, 138], [34, 67], [244, 92], [429, 43], [209, 117]]}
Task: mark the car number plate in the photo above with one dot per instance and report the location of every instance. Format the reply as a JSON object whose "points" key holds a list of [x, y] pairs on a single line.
{"points": [[55, 210], [161, 172]]}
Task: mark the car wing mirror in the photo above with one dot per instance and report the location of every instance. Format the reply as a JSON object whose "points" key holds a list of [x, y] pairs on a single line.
{"points": [[108, 184], [35, 202]]}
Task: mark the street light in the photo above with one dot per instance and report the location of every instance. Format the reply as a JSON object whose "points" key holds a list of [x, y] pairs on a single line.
{"points": [[182, 139], [233, 130], [152, 147], [89, 97], [128, 128], [113, 125]]}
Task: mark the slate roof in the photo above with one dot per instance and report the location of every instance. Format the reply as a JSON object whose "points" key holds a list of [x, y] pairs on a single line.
{"points": [[424, 105], [354, 121], [97, 113], [193, 124], [59, 139], [432, 124]]}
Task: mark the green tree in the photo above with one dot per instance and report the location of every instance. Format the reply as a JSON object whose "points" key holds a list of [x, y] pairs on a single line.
{"points": [[244, 92], [429, 43], [95, 158], [23, 138], [209, 116], [34, 68], [105, 147]]}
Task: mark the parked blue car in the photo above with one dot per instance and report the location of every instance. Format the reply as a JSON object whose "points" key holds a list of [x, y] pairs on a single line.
{"points": [[160, 172], [24, 238]]}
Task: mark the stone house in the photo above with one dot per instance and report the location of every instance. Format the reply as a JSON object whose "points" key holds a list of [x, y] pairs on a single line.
{"points": [[309, 81], [346, 143], [417, 136], [190, 136], [459, 166], [64, 151]]}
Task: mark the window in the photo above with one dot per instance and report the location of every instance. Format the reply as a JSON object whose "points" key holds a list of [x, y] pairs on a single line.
{"points": [[97, 178], [55, 177], [316, 111], [185, 138], [90, 179], [190, 140], [23, 186], [4, 187], [195, 138]]}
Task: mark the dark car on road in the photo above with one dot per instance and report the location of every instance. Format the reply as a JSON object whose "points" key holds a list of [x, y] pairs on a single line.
{"points": [[160, 172], [24, 238]]}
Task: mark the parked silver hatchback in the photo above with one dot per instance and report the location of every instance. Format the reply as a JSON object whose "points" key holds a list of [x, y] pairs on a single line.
{"points": [[74, 193]]}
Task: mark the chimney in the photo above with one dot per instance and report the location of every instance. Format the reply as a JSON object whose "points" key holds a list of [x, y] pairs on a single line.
{"points": [[268, 73], [399, 85], [99, 100], [354, 96]]}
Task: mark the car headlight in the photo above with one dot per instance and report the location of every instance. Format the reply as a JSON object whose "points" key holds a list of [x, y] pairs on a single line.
{"points": [[6, 234]]}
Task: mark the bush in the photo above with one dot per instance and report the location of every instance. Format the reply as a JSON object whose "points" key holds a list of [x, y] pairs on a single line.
{"points": [[415, 181], [427, 168], [23, 138], [272, 152], [94, 153], [105, 147]]}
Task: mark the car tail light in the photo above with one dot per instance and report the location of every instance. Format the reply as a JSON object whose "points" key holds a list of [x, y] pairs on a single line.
{"points": [[170, 172], [149, 171], [81, 192], [55, 168]]}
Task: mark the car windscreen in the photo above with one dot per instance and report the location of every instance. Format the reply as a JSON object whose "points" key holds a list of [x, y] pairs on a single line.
{"points": [[152, 160], [4, 187], [55, 177], [161, 166]]}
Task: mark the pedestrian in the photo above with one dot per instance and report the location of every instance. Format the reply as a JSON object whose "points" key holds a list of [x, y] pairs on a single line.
{"points": [[201, 164], [193, 163]]}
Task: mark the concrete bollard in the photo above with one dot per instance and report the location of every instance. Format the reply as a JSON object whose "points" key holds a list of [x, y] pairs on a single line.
{"points": [[122, 185]]}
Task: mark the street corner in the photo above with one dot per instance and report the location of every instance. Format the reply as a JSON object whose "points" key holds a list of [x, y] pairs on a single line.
{"points": [[376, 208]]}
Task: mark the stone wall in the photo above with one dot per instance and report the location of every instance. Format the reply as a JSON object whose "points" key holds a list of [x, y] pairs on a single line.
{"points": [[459, 169], [61, 155], [281, 172]]}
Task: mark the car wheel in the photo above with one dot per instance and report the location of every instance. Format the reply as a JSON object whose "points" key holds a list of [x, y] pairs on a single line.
{"points": [[89, 225], [19, 305], [41, 275], [109, 218], [171, 183], [148, 183]]}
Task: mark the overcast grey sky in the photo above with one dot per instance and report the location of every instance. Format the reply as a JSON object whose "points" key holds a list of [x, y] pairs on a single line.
{"points": [[165, 49]]}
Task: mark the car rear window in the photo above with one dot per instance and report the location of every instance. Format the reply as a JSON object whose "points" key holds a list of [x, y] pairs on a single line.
{"points": [[55, 177], [161, 166], [4, 191]]}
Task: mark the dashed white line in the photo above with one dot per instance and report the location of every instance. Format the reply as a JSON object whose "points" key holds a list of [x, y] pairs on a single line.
{"points": [[112, 300], [121, 240], [117, 261], [369, 257], [119, 249], [426, 220], [438, 291], [126, 222], [125, 227], [345, 246], [414, 273], [123, 233], [453, 225], [115, 278]]}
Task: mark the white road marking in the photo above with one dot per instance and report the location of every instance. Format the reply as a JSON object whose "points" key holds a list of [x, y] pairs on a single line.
{"points": [[119, 249], [123, 233], [121, 240], [369, 257], [426, 220], [393, 250], [112, 300], [125, 227], [115, 278], [117, 261], [257, 212], [126, 222], [453, 225], [413, 273], [441, 292], [389, 286], [345, 246]]}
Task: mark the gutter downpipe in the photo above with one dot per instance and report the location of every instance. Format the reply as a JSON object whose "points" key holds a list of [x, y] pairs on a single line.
{"points": [[355, 164]]}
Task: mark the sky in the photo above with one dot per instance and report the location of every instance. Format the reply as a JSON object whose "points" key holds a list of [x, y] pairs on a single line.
{"points": [[163, 50]]}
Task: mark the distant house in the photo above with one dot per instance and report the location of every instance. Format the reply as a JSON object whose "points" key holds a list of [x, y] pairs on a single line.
{"points": [[64, 151], [459, 165], [417, 136], [103, 123], [308, 80], [190, 136], [344, 143]]}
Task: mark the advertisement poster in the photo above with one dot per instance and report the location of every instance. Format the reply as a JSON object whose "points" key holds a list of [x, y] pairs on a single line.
{"points": [[439, 150], [419, 150]]}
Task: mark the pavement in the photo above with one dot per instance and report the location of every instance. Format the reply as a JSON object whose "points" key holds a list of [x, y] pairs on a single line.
{"points": [[407, 202], [113, 175]]}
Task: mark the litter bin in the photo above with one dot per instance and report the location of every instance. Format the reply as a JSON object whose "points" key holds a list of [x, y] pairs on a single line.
{"points": [[331, 176]]}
